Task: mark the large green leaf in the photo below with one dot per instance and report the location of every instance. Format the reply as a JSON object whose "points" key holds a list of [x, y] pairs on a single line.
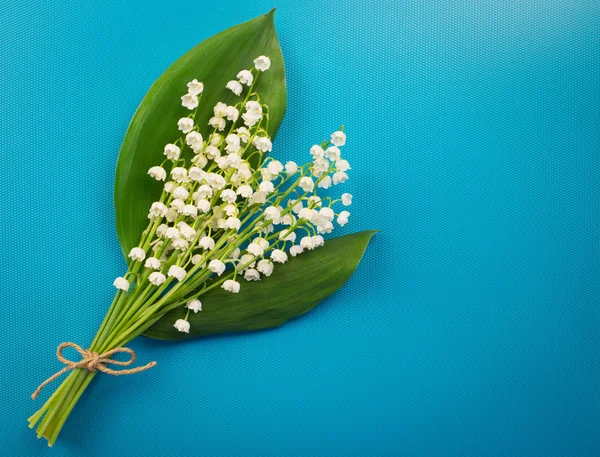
{"points": [[214, 62], [293, 289]]}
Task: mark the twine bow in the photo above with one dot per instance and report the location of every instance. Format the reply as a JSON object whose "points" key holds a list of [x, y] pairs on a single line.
{"points": [[93, 361]]}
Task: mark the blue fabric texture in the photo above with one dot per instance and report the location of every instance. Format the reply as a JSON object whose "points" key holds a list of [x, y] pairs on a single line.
{"points": [[471, 326]]}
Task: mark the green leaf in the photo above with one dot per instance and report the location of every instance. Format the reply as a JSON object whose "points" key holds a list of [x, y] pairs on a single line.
{"points": [[293, 289], [214, 62]]}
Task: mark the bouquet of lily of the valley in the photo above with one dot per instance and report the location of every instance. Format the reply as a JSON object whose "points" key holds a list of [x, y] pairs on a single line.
{"points": [[219, 235]]}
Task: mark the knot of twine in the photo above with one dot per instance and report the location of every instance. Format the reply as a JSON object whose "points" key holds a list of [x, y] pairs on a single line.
{"points": [[93, 361]]}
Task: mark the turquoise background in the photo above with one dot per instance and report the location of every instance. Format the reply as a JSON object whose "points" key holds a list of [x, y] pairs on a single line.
{"points": [[471, 326]]}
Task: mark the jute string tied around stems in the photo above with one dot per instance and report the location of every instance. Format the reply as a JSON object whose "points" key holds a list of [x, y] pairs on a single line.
{"points": [[93, 361]]}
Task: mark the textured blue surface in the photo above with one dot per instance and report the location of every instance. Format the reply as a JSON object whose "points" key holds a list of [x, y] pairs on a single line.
{"points": [[471, 328]]}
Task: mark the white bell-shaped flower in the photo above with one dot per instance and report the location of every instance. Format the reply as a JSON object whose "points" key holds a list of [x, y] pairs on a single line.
{"points": [[245, 191], [265, 266], [252, 275], [121, 283], [172, 233], [343, 218], [204, 191], [320, 166], [342, 165], [180, 244], [307, 243], [181, 192], [233, 223], [207, 243], [177, 204], [172, 215], [176, 272], [195, 305], [325, 227], [272, 214], [231, 286], [153, 263], [327, 213], [235, 87], [291, 237], [340, 177], [234, 161], [255, 249], [317, 152], [196, 174], [262, 63], [258, 198], [194, 140], [246, 261], [279, 256], [172, 151], [216, 266], [179, 174], [318, 241], [228, 195], [158, 209], [333, 153], [185, 124], [201, 161], [266, 187], [232, 113], [137, 254], [195, 87], [186, 231], [245, 77], [306, 184], [275, 167], [244, 134], [190, 101], [217, 123], [263, 144], [190, 210], [338, 138], [291, 167], [295, 250], [203, 205], [158, 173], [157, 278], [182, 325], [325, 182]]}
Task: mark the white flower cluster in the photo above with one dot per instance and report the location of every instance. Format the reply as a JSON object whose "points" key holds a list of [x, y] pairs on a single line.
{"points": [[227, 209]]}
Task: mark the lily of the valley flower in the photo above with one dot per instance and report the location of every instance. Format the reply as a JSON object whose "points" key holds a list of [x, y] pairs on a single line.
{"points": [[245, 77], [182, 325], [158, 173], [176, 272], [157, 278], [185, 124], [235, 87], [190, 101], [231, 286], [121, 283], [137, 254], [262, 63], [195, 305], [172, 151]]}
